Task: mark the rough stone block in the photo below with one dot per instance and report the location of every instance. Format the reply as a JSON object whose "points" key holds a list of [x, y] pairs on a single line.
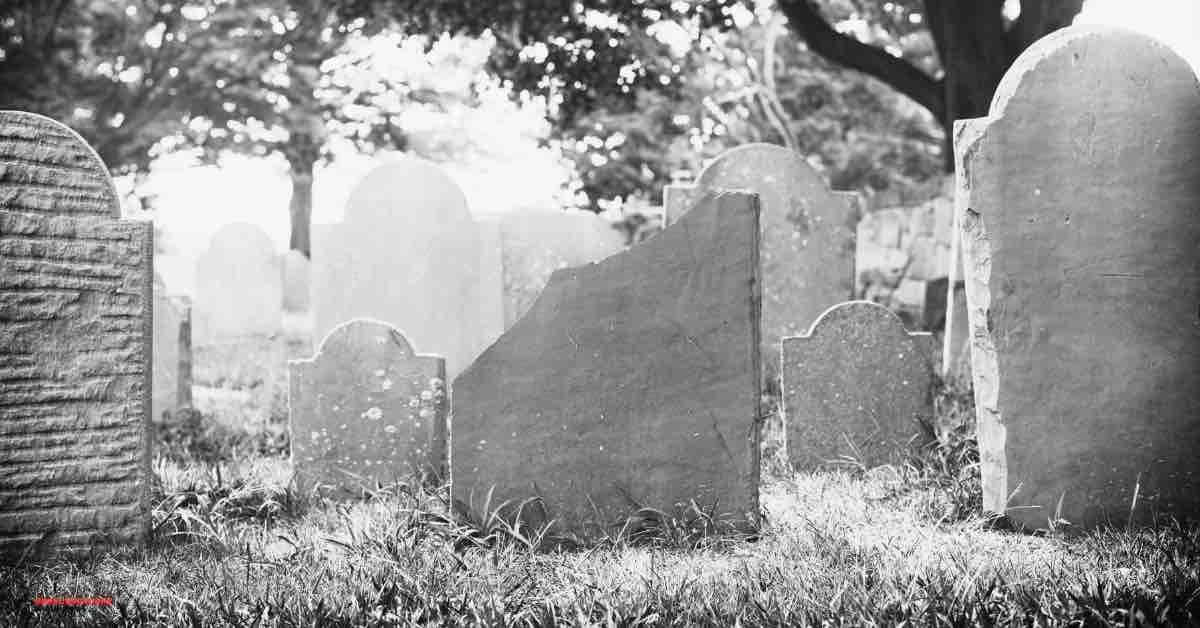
{"points": [[367, 410], [856, 388], [630, 382], [1080, 214], [75, 343]]}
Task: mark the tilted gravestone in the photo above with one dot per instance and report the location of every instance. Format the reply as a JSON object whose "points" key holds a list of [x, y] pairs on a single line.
{"points": [[856, 387], [75, 339], [239, 291], [536, 243], [172, 352], [367, 410], [407, 253], [630, 382], [1080, 221], [807, 240]]}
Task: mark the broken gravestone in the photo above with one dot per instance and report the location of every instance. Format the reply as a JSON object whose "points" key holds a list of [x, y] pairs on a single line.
{"points": [[856, 388], [1080, 215], [407, 253], [239, 291], [75, 370], [172, 352], [807, 238], [630, 382], [367, 410]]}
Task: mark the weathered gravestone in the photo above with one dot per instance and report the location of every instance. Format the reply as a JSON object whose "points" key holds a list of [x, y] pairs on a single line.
{"points": [[807, 240], [367, 409], [172, 352], [75, 336], [677, 199], [536, 243], [1080, 219], [632, 381], [856, 387], [296, 279], [407, 254], [239, 291]]}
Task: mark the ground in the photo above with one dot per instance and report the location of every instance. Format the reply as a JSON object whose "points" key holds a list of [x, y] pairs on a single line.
{"points": [[234, 545]]}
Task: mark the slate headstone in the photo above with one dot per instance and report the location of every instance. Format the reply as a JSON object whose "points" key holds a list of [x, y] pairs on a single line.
{"points": [[807, 241], [1080, 221], [856, 387], [367, 410], [239, 290], [75, 346], [172, 352], [407, 253], [630, 382]]}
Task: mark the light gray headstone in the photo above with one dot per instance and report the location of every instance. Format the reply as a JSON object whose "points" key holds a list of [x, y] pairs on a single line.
{"points": [[75, 344], [172, 352], [239, 291], [367, 410], [1080, 215], [407, 253], [856, 387]]}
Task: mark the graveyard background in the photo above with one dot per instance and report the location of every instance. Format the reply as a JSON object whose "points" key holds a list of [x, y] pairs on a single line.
{"points": [[233, 543]]}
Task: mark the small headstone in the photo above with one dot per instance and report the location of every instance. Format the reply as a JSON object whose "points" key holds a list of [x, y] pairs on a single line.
{"points": [[631, 382], [239, 291], [407, 254], [297, 278], [75, 371], [172, 352], [367, 410], [807, 241], [856, 388], [1080, 222]]}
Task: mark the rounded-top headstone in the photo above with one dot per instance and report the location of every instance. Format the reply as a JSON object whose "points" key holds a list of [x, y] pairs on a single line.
{"points": [[807, 236], [59, 173], [239, 290], [1079, 206]]}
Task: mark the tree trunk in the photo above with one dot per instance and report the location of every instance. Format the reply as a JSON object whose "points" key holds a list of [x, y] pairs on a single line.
{"points": [[300, 206]]}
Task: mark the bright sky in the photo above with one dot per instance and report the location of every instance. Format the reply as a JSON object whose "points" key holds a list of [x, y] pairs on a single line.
{"points": [[194, 202]]}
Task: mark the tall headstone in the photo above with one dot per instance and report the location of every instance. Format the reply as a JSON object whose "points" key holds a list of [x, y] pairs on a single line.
{"points": [[407, 253], [807, 241], [367, 409], [75, 346], [172, 352], [239, 290], [1080, 220], [536, 243], [856, 387], [631, 382]]}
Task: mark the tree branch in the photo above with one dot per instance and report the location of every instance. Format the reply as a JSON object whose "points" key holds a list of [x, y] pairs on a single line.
{"points": [[807, 22]]}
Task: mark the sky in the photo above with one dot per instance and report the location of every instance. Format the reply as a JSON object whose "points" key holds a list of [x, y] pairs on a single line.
{"points": [[193, 202]]}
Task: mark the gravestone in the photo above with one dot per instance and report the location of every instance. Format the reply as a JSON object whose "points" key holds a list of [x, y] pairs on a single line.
{"points": [[75, 338], [491, 279], [172, 352], [239, 291], [677, 199], [631, 381], [366, 410], [1080, 220], [296, 279], [407, 254], [535, 243], [856, 387], [807, 240]]}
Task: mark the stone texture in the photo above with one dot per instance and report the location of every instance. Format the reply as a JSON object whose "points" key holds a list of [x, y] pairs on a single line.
{"points": [[408, 254], [239, 291], [1080, 216], [807, 241], [857, 386], [633, 381], [75, 339], [536, 243], [172, 352], [677, 199], [297, 281], [367, 409]]}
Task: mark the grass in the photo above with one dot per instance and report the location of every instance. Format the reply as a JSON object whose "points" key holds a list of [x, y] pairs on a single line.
{"points": [[234, 545]]}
